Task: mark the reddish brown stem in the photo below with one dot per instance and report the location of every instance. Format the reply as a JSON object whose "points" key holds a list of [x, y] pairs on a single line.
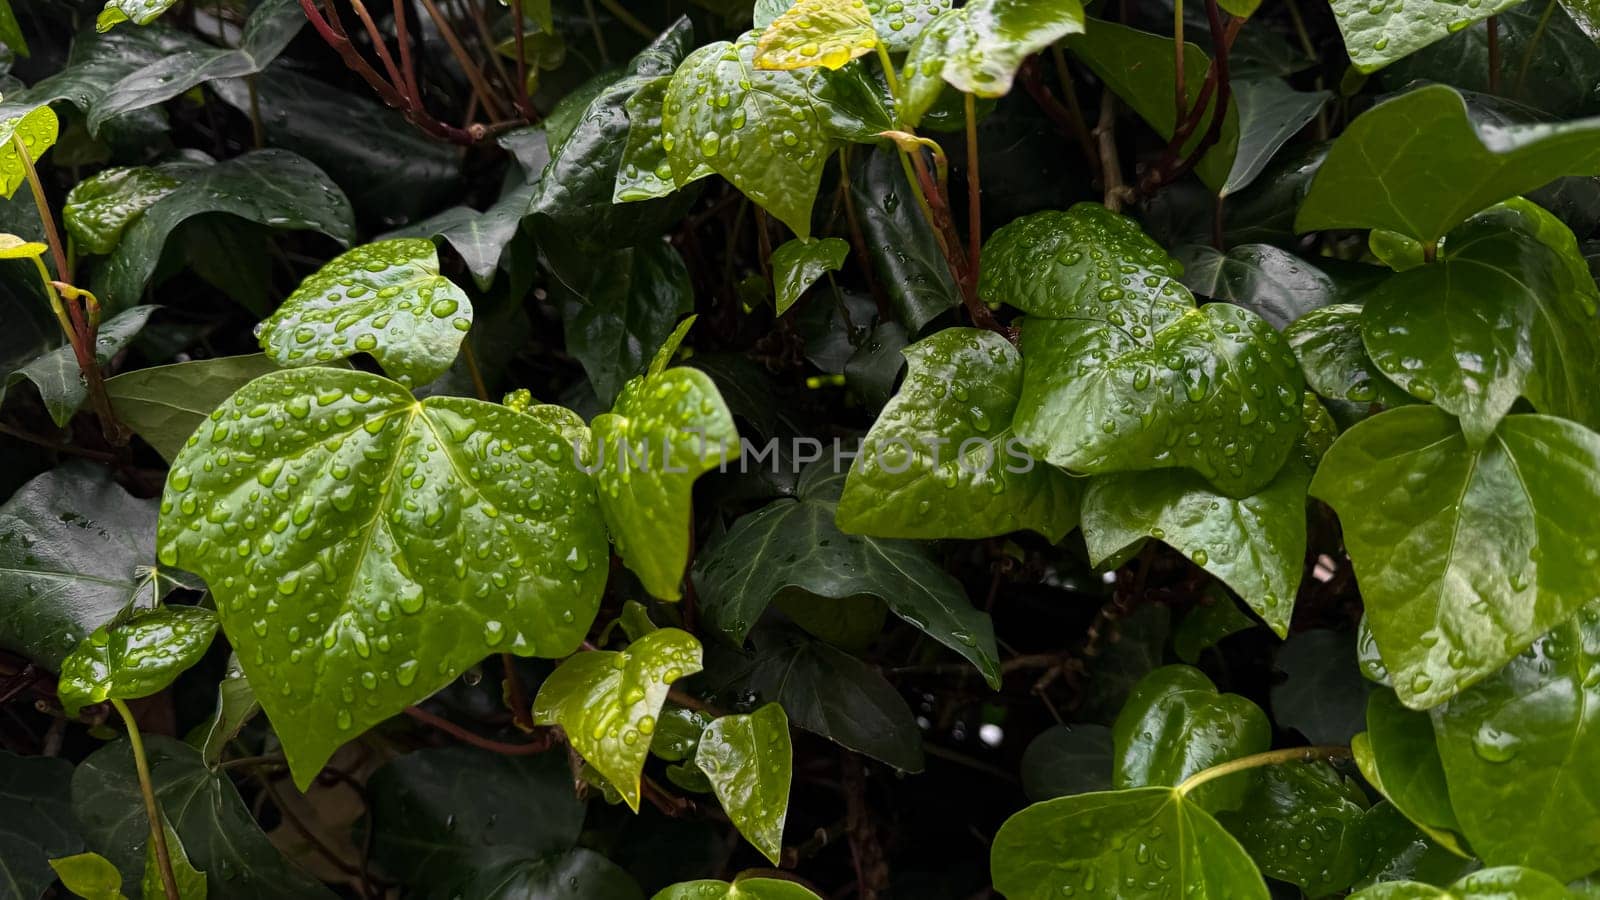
{"points": [[378, 43], [465, 736]]}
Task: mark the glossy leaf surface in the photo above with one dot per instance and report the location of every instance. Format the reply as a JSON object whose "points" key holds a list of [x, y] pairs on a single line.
{"points": [[32, 132], [1175, 724], [1304, 823], [978, 48], [1489, 884], [100, 208], [797, 265], [1327, 342], [739, 889], [1378, 34], [749, 761], [165, 404], [135, 657], [36, 823], [1398, 756], [57, 375], [827, 33]]}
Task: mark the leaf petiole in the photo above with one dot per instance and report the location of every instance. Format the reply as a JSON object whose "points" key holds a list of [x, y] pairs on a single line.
{"points": [[1257, 760], [169, 882]]}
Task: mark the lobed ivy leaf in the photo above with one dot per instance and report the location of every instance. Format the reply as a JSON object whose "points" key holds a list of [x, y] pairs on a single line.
{"points": [[36, 824], [627, 306], [1488, 884], [1154, 838], [100, 208], [386, 299], [827, 33], [165, 404], [1327, 342], [1508, 312], [139, 12], [1464, 555], [59, 378], [956, 405], [1519, 737], [1398, 756], [135, 657], [608, 702], [1426, 187], [797, 264], [1068, 759], [1377, 34], [793, 547], [1175, 724], [386, 544], [1305, 823], [11, 31], [32, 132], [1270, 282], [749, 761], [978, 49], [742, 888]]}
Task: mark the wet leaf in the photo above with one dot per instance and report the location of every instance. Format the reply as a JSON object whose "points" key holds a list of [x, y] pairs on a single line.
{"points": [[741, 889], [135, 657], [1272, 283], [1464, 556], [1489, 884], [57, 375], [628, 306], [89, 875], [1401, 852], [1377, 34], [139, 12], [827, 33], [32, 132], [1482, 165], [793, 545], [1067, 759], [236, 706], [36, 824], [165, 404], [608, 702], [978, 48], [797, 264], [1304, 823], [190, 882], [749, 762], [1270, 114], [101, 207], [1327, 342], [900, 243], [362, 579], [479, 238], [942, 460], [1209, 624], [386, 299], [1175, 725], [1398, 756]]}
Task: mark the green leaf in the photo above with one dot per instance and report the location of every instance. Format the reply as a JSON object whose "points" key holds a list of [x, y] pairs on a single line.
{"points": [[479, 238], [96, 63], [1401, 852], [1304, 823], [1272, 283], [1508, 312], [793, 546], [825, 691], [1156, 836], [1212, 621], [1138, 67], [268, 187], [1270, 114], [1378, 34], [1481, 166], [749, 762], [1489, 884], [59, 378], [644, 172], [386, 299], [797, 264], [523, 809], [1513, 749], [139, 12], [1464, 556], [1256, 545], [36, 824], [88, 875], [165, 404], [1217, 391], [608, 701], [942, 461], [1398, 756], [270, 28], [678, 731], [616, 319], [901, 22], [678, 421], [827, 33], [577, 874], [190, 882], [101, 207], [33, 133], [135, 657], [741, 889], [978, 48], [1323, 694], [911, 271], [236, 705], [355, 574], [1327, 342], [218, 833], [1068, 759], [74, 551], [1175, 724], [11, 31]]}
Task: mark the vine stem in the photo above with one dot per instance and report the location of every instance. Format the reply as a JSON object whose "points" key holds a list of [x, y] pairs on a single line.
{"points": [[52, 233], [158, 835], [1494, 54], [626, 18], [974, 198], [1180, 93], [465, 736], [475, 76], [1257, 760]]}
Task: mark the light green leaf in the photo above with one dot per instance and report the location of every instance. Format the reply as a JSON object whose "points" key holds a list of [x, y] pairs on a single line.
{"points": [[749, 762], [1256, 544], [1397, 754], [101, 207], [901, 22], [135, 657], [1425, 139], [1175, 724], [1327, 342], [386, 544], [57, 375], [1214, 619], [1168, 844], [942, 461], [827, 33], [33, 133], [386, 299], [1514, 749], [90, 876], [797, 264], [1508, 311], [1489, 884], [978, 48], [676, 419], [741, 889], [644, 172], [792, 545], [1304, 823], [165, 404], [608, 701], [1138, 67], [1464, 556], [11, 31], [190, 882], [139, 12], [36, 823], [1377, 34], [236, 706]]}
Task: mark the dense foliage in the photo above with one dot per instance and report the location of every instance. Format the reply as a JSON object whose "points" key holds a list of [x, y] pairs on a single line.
{"points": [[796, 448]]}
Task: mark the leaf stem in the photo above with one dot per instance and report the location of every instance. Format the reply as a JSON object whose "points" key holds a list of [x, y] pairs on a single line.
{"points": [[471, 359], [52, 233], [888, 74], [1327, 752], [158, 834], [1180, 93], [974, 194], [1494, 54]]}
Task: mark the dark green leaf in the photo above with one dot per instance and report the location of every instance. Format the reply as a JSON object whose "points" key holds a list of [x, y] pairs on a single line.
{"points": [[36, 824], [1304, 823], [1401, 852], [100, 208], [236, 705], [1327, 342], [1212, 621], [1068, 759], [1323, 695], [577, 874], [1270, 113], [57, 375], [749, 762], [900, 243], [190, 882], [625, 310], [1398, 756], [1175, 725], [479, 238], [797, 264], [1377, 34], [165, 404], [135, 657], [1275, 285]]}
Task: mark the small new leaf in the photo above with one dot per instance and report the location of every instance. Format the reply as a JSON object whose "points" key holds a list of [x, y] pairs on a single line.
{"points": [[749, 761], [827, 33], [136, 657], [23, 139], [798, 264]]}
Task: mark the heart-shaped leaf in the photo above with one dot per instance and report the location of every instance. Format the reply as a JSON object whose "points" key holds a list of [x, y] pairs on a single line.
{"points": [[741, 889], [1489, 884], [941, 461], [389, 544], [1464, 555], [1068, 759], [1398, 756], [827, 33], [1327, 342], [1304, 823], [1270, 113], [608, 701], [387, 299], [1272, 283], [797, 265], [135, 657], [33, 133], [1377, 34], [749, 762], [1175, 724], [479, 238]]}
